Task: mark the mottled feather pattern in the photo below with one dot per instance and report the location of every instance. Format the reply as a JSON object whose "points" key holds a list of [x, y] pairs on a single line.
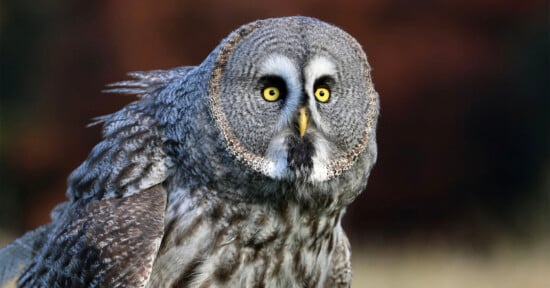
{"points": [[242, 245], [340, 274], [203, 183], [91, 248], [128, 160]]}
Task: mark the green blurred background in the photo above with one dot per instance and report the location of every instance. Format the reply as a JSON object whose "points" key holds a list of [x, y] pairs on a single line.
{"points": [[460, 196]]}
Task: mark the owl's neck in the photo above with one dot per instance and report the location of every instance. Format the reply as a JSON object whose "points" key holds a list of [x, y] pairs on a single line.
{"points": [[203, 204]]}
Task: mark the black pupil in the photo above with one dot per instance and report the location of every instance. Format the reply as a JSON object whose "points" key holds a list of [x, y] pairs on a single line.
{"points": [[271, 92], [321, 93]]}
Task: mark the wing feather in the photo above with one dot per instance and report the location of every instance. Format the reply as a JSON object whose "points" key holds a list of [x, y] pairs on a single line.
{"points": [[18, 254], [110, 230], [102, 243], [340, 273]]}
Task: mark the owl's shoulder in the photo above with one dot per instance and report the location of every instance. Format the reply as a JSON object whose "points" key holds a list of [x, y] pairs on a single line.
{"points": [[132, 155], [130, 158]]}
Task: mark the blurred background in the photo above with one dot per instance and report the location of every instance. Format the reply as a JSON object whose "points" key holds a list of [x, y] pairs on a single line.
{"points": [[460, 196]]}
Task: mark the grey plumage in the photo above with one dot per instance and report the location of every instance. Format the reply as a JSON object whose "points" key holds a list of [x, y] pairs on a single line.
{"points": [[233, 173]]}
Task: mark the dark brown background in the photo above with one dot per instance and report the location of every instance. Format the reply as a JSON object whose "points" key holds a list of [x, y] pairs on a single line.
{"points": [[463, 135]]}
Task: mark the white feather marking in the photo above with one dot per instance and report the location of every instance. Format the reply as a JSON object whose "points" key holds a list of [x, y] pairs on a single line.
{"points": [[281, 66], [318, 67], [277, 156], [284, 67], [321, 160]]}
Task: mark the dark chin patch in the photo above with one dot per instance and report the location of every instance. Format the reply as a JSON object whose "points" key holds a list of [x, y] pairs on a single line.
{"points": [[300, 154]]}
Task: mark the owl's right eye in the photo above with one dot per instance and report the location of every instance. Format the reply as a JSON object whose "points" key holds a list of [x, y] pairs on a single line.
{"points": [[271, 93], [273, 88]]}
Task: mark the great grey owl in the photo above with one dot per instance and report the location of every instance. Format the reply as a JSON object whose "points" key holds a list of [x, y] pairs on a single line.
{"points": [[233, 173]]}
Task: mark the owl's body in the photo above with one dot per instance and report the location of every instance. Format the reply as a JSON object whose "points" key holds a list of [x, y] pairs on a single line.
{"points": [[233, 173], [225, 244]]}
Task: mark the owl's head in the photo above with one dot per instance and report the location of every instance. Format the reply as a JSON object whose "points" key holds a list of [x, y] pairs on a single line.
{"points": [[293, 98]]}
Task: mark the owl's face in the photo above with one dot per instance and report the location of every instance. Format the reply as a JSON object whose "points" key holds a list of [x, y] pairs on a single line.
{"points": [[293, 98]]}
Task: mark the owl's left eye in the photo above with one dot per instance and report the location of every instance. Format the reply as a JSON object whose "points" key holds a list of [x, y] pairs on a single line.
{"points": [[322, 94], [322, 88]]}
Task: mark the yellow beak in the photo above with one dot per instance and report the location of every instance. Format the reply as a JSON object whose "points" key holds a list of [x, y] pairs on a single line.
{"points": [[303, 116]]}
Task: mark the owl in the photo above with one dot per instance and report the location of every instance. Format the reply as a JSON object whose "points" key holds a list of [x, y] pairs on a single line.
{"points": [[233, 173]]}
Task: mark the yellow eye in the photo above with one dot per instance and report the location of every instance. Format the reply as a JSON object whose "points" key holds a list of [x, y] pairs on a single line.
{"points": [[322, 94], [271, 93]]}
